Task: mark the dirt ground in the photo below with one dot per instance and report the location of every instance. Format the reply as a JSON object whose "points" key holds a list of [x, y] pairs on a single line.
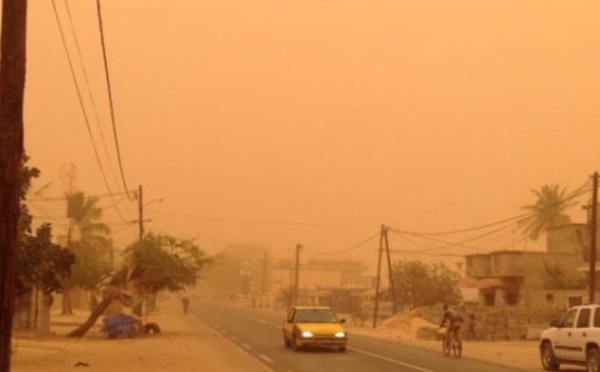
{"points": [[187, 344]]}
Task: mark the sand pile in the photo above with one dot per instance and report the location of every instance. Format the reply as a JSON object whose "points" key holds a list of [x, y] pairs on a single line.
{"points": [[406, 326]]}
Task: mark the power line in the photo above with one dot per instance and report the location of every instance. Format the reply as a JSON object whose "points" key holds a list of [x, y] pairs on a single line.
{"points": [[110, 97], [276, 223], [582, 190], [450, 244], [64, 198], [81, 104], [355, 246], [89, 89]]}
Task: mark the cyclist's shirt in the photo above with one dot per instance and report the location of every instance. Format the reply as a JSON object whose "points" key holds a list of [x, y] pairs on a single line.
{"points": [[453, 318]]}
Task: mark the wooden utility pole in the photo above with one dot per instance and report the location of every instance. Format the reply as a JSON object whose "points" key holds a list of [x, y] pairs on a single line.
{"points": [[296, 276], [264, 275], [378, 280], [384, 232], [12, 90], [593, 237], [140, 198]]}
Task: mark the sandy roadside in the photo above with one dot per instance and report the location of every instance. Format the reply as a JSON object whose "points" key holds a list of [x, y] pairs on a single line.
{"points": [[518, 354], [185, 344]]}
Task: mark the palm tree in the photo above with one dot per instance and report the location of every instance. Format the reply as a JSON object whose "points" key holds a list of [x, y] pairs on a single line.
{"points": [[548, 210], [89, 238]]}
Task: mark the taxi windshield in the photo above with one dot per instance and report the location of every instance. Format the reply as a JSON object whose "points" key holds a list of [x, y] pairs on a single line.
{"points": [[316, 316]]}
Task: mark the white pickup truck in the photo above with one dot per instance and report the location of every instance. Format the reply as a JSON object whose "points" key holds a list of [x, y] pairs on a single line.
{"points": [[575, 339]]}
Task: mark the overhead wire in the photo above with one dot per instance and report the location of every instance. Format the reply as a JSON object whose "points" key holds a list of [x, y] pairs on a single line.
{"points": [[351, 248], [90, 94], [275, 223], [458, 244], [582, 190], [110, 97], [89, 89], [81, 104], [63, 198]]}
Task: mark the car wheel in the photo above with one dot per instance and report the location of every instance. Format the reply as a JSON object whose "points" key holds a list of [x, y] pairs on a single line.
{"points": [[593, 360], [548, 359], [151, 328], [342, 349]]}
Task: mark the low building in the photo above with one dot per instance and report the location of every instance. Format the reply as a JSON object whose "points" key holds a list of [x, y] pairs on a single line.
{"points": [[517, 278], [325, 282]]}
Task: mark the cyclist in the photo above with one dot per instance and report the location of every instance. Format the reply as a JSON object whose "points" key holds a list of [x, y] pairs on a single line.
{"points": [[455, 322]]}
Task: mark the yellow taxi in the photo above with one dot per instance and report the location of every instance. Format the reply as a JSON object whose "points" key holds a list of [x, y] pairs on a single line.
{"points": [[314, 326]]}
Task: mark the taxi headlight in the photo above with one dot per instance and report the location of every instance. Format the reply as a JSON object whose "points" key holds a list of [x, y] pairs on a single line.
{"points": [[340, 335], [307, 334]]}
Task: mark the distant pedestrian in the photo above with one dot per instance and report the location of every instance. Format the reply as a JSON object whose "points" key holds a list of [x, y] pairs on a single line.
{"points": [[471, 333], [185, 301]]}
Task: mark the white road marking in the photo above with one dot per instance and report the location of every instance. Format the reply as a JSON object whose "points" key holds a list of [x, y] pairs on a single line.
{"points": [[266, 358], [234, 338], [416, 368], [246, 346]]}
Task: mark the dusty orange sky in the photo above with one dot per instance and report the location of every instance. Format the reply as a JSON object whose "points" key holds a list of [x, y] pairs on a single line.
{"points": [[283, 118]]}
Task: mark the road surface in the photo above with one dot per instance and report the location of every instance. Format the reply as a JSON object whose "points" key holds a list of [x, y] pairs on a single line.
{"points": [[259, 333]]}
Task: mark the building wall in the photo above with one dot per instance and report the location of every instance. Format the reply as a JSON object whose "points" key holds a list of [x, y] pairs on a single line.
{"points": [[242, 270], [567, 239], [558, 299], [478, 266], [516, 277]]}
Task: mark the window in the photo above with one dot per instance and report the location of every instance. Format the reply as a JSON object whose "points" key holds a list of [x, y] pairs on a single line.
{"points": [[583, 321], [568, 321], [597, 317], [316, 316]]}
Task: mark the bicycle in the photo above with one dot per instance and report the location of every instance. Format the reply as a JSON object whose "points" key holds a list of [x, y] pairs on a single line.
{"points": [[451, 344]]}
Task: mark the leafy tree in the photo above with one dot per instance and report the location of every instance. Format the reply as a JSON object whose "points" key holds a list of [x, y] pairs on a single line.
{"points": [[156, 264], [163, 263], [420, 284], [86, 218], [548, 210], [27, 175], [555, 277], [89, 239], [41, 263]]}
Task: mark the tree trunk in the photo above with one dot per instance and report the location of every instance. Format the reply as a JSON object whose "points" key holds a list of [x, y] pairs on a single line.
{"points": [[12, 87], [67, 309], [94, 315]]}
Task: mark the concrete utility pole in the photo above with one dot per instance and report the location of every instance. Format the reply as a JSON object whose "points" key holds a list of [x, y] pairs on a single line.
{"points": [[296, 276], [378, 281], [12, 91], [384, 232], [593, 237], [264, 275], [140, 198]]}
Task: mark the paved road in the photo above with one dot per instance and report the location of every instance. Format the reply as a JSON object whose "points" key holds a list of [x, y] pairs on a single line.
{"points": [[259, 333]]}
